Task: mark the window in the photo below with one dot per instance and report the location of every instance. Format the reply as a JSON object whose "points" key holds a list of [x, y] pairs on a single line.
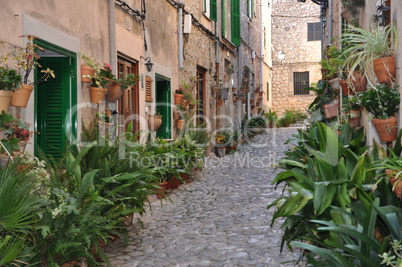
{"points": [[250, 8], [223, 10], [300, 81], [211, 9], [235, 22], [314, 31]]}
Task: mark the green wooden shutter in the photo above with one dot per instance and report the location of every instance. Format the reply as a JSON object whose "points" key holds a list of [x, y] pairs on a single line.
{"points": [[223, 18], [214, 10], [53, 101], [235, 22], [163, 106]]}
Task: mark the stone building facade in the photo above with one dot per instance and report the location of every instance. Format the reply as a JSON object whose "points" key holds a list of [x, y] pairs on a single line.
{"points": [[296, 52]]}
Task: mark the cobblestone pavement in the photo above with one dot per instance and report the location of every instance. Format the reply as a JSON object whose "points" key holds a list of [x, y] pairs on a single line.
{"points": [[219, 219]]}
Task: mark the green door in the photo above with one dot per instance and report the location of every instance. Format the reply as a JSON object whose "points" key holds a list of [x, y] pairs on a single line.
{"points": [[163, 96], [53, 101]]}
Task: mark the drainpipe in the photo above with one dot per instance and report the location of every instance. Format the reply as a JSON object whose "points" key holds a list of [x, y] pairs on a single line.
{"points": [[180, 28], [112, 37], [261, 51], [329, 22]]}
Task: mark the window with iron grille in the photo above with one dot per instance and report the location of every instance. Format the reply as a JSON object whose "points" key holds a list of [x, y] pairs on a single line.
{"points": [[301, 81], [314, 31]]}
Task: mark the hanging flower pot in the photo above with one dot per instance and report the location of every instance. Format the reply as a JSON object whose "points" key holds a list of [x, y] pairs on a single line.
{"points": [[86, 73], [21, 96], [359, 82], [176, 114], [178, 98], [386, 129], [180, 124], [345, 87], [330, 111], [354, 118], [384, 68], [115, 92], [334, 83], [154, 122], [396, 182], [220, 102], [5, 99], [97, 94]]}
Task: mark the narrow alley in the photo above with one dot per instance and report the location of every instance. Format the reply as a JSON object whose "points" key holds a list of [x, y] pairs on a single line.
{"points": [[219, 219]]}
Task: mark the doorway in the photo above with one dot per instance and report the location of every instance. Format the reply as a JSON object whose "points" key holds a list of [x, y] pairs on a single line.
{"points": [[163, 106], [53, 101]]}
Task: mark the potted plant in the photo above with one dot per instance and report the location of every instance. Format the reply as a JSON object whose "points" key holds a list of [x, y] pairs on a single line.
{"points": [[178, 96], [27, 60], [371, 52], [229, 70], [88, 68], [99, 81], [392, 170], [115, 90], [383, 103], [325, 99], [154, 121], [9, 80], [351, 10], [331, 66], [272, 118], [351, 106]]}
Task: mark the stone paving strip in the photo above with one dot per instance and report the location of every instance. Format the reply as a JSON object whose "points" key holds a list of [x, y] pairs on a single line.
{"points": [[219, 219]]}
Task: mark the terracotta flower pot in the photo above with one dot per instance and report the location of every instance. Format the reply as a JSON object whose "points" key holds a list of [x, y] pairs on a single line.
{"points": [[154, 122], [178, 98], [97, 94], [180, 124], [334, 83], [330, 110], [161, 192], [354, 118], [185, 177], [346, 90], [359, 82], [115, 92], [21, 96], [86, 70], [175, 182], [384, 68], [386, 129], [396, 182], [5, 99]]}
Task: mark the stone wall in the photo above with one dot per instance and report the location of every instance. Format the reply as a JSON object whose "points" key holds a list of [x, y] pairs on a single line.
{"points": [[289, 36]]}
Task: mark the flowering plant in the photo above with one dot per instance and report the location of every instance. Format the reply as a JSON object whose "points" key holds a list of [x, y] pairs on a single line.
{"points": [[14, 127], [27, 59], [128, 80]]}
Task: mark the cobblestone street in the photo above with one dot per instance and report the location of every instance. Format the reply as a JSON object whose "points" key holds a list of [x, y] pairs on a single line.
{"points": [[219, 219]]}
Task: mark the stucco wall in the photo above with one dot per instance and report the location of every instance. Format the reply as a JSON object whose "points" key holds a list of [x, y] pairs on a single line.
{"points": [[289, 35]]}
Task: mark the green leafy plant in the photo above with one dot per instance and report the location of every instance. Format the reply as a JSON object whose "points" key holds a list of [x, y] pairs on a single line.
{"points": [[382, 102], [332, 63], [325, 95], [9, 79], [128, 80], [365, 46]]}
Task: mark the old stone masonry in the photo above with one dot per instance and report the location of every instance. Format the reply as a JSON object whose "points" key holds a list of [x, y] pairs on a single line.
{"points": [[219, 219]]}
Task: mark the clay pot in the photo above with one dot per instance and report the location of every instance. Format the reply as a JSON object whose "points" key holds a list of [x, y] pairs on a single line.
{"points": [[330, 110], [384, 68], [334, 83], [178, 98], [345, 87], [387, 129], [175, 182], [114, 93], [354, 118], [359, 82], [21, 96], [97, 94], [5, 99], [154, 122], [180, 124], [185, 177], [161, 192], [86, 70], [396, 182]]}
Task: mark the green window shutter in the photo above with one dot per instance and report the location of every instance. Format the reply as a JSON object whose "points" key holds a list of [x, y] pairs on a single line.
{"points": [[248, 9], [235, 22], [214, 10], [163, 107], [53, 102], [223, 18]]}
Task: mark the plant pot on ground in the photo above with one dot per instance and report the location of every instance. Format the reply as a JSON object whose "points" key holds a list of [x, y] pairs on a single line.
{"points": [[383, 103]]}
